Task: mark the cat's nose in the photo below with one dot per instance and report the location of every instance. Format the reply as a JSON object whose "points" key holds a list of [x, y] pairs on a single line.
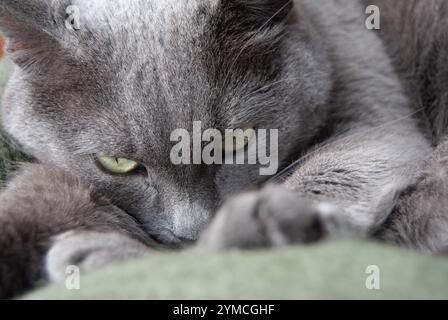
{"points": [[189, 218], [183, 222]]}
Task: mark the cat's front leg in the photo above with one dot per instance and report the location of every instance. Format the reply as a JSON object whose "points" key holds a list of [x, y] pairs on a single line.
{"points": [[49, 220], [345, 187], [271, 217]]}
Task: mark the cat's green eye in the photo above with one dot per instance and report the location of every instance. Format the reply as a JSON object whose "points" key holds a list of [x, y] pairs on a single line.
{"points": [[118, 165], [238, 140]]}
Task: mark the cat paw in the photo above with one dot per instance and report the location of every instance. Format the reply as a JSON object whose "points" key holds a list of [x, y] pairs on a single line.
{"points": [[271, 217], [89, 251]]}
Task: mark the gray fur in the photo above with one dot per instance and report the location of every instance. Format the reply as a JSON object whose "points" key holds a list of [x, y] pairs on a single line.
{"points": [[137, 70], [94, 250], [41, 203], [420, 218]]}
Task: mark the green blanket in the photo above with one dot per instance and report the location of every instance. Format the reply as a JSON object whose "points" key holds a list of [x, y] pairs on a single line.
{"points": [[326, 271]]}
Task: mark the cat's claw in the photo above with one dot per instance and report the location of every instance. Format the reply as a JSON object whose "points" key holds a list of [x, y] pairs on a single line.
{"points": [[271, 217], [89, 251]]}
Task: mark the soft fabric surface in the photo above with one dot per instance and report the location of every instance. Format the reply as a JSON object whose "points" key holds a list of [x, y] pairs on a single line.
{"points": [[8, 156], [326, 271], [335, 270]]}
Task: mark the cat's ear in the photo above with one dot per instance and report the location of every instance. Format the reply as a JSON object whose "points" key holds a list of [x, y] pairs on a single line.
{"points": [[260, 12], [32, 29]]}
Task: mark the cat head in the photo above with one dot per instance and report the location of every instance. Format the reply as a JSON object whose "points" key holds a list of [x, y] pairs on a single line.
{"points": [[101, 80]]}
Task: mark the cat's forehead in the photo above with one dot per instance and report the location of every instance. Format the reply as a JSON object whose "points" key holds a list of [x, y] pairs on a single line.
{"points": [[151, 14], [144, 30], [167, 61]]}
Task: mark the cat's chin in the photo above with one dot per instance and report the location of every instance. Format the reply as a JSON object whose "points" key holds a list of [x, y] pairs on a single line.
{"points": [[167, 239]]}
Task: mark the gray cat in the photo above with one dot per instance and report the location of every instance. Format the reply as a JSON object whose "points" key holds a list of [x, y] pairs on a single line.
{"points": [[359, 113]]}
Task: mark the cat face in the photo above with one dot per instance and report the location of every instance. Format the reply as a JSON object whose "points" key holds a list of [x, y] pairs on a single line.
{"points": [[135, 71]]}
